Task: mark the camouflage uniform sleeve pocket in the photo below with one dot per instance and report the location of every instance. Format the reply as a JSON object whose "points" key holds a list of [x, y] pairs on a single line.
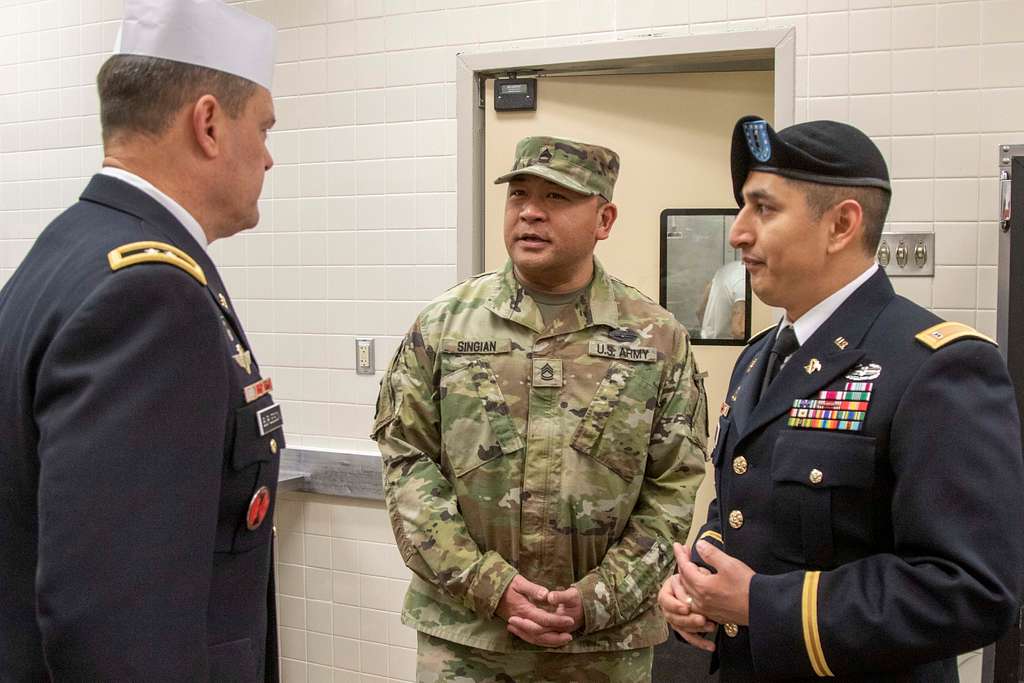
{"points": [[475, 419], [617, 425]]}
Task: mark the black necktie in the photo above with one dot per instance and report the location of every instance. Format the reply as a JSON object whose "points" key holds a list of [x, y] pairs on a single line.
{"points": [[785, 344]]}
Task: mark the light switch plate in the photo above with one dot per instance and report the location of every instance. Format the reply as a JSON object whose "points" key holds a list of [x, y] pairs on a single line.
{"points": [[903, 254]]}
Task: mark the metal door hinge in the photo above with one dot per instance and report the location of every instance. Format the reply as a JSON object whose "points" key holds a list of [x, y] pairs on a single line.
{"points": [[1006, 155]]}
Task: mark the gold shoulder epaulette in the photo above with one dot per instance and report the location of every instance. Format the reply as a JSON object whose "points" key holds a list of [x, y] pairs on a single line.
{"points": [[760, 333], [154, 252], [937, 336]]}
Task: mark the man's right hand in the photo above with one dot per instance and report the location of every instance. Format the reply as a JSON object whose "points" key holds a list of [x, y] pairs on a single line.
{"points": [[522, 599], [679, 613]]}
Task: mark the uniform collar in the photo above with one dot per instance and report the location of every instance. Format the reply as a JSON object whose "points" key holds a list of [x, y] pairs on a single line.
{"points": [[807, 324], [596, 305], [176, 209]]}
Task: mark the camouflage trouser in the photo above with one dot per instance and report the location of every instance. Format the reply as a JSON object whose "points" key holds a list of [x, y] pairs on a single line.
{"points": [[442, 661]]}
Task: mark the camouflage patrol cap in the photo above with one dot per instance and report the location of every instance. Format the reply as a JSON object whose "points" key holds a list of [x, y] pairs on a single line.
{"points": [[583, 168]]}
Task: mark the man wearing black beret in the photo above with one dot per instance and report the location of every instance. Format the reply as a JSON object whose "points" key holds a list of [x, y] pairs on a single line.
{"points": [[868, 464]]}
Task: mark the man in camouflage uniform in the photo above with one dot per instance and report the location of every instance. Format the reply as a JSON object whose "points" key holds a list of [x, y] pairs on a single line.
{"points": [[543, 432]]}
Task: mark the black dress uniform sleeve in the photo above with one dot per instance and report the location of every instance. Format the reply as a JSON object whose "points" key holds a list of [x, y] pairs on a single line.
{"points": [[130, 407], [952, 579]]}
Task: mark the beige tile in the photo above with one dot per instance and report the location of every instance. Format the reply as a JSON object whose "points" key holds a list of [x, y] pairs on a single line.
{"points": [[346, 676], [319, 674], [954, 287], [1001, 20], [319, 648], [958, 315], [382, 594], [318, 551], [956, 68], [988, 244], [293, 643], [956, 199], [346, 653], [828, 33], [293, 670], [398, 633], [913, 157], [345, 555], [373, 625], [318, 583], [346, 588], [293, 611], [913, 27], [917, 289], [958, 24], [988, 286], [373, 658], [870, 30], [956, 244], [382, 559], [291, 579], [402, 663], [986, 323], [346, 621], [318, 616]]}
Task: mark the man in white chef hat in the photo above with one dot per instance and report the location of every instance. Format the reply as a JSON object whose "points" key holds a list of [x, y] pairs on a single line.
{"points": [[140, 442]]}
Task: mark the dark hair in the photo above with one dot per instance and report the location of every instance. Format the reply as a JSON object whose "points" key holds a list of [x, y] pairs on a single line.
{"points": [[140, 94], [873, 200]]}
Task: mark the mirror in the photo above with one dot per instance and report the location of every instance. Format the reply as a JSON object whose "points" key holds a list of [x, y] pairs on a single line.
{"points": [[703, 281]]}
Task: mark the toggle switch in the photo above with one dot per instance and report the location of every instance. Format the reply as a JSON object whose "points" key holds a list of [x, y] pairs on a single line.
{"points": [[908, 253]]}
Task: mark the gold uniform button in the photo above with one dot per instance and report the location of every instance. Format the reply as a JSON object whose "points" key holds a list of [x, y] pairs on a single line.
{"points": [[273, 446], [735, 519], [816, 476], [731, 630], [739, 465]]}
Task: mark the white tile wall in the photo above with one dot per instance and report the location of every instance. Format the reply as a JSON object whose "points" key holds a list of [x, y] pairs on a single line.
{"points": [[358, 215]]}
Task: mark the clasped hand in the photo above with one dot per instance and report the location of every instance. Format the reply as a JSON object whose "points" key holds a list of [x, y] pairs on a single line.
{"points": [[695, 601], [538, 615]]}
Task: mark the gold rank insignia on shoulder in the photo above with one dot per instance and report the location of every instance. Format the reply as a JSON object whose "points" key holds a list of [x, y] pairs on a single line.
{"points": [[937, 336], [154, 252]]}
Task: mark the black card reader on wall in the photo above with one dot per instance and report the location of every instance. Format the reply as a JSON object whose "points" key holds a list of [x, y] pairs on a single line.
{"points": [[515, 94]]}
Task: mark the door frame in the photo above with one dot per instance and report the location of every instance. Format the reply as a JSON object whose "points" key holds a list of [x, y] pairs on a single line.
{"points": [[773, 50]]}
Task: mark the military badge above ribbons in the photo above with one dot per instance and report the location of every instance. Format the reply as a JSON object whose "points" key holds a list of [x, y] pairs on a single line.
{"points": [[843, 410]]}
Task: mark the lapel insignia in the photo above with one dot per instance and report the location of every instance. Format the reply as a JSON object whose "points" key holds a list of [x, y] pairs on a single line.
{"points": [[813, 365], [841, 343], [222, 300], [753, 362], [243, 358], [865, 373], [724, 412]]}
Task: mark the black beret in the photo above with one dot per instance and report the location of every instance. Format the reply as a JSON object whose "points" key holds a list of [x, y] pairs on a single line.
{"points": [[826, 152]]}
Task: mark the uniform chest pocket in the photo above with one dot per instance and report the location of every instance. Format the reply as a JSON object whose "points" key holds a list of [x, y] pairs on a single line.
{"points": [[475, 419], [616, 428], [253, 465], [821, 483]]}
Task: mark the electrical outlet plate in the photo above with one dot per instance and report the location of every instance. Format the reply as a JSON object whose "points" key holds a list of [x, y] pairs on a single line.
{"points": [[364, 356], [907, 254]]}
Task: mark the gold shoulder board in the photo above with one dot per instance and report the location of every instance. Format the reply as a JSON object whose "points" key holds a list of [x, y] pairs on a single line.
{"points": [[154, 252], [937, 336], [760, 333]]}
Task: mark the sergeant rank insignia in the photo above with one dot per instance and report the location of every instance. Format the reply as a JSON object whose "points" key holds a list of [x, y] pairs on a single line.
{"points": [[842, 410]]}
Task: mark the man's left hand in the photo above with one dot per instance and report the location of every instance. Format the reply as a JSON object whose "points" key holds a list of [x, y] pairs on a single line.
{"points": [[723, 597], [567, 603]]}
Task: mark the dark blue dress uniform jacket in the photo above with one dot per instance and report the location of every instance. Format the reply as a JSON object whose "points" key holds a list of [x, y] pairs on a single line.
{"points": [[128, 459], [906, 546]]}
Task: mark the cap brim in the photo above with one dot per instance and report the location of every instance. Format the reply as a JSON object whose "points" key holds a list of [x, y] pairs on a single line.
{"points": [[548, 174]]}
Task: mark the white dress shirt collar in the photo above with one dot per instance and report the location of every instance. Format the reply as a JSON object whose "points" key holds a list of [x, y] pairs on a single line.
{"points": [[176, 209], [809, 322]]}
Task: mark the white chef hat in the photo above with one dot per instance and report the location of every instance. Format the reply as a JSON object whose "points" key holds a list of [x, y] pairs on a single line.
{"points": [[202, 32]]}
